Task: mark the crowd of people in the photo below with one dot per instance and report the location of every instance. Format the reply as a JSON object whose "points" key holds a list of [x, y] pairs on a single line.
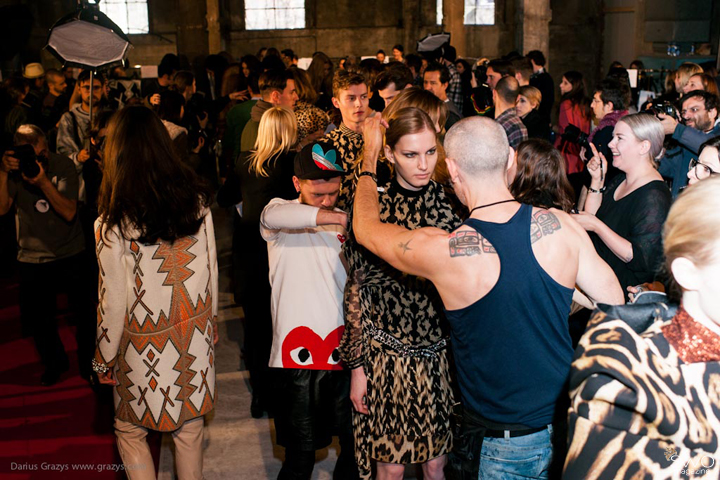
{"points": [[417, 249]]}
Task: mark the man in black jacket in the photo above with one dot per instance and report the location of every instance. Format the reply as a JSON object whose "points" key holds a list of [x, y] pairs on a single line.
{"points": [[542, 80]]}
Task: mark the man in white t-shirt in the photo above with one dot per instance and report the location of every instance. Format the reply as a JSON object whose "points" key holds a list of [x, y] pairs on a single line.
{"points": [[310, 386]]}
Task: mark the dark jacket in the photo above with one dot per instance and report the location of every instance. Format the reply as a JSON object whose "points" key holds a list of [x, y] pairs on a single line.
{"points": [[536, 125], [544, 82], [676, 162]]}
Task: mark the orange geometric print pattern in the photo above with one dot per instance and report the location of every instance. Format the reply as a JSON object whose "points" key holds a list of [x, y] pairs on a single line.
{"points": [[152, 392]]}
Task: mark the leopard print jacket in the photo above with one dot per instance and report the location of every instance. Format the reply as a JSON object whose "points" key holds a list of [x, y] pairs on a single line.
{"points": [[638, 411]]}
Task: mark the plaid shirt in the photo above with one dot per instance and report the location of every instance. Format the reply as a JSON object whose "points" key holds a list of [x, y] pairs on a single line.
{"points": [[514, 128], [454, 90]]}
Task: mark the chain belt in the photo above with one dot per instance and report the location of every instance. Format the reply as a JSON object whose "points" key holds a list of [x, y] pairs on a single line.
{"points": [[392, 343]]}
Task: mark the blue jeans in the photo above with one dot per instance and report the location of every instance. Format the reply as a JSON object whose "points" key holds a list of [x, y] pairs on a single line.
{"points": [[518, 458]]}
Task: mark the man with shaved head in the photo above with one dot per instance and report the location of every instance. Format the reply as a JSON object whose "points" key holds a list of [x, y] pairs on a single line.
{"points": [[505, 95], [506, 278]]}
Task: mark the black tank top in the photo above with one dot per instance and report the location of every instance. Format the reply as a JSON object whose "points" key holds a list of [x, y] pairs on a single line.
{"points": [[512, 347]]}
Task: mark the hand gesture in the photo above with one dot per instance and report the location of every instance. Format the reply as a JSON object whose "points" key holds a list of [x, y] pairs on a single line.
{"points": [[241, 95], [9, 163], [203, 121], [83, 155], [155, 99], [107, 378], [668, 123], [358, 390], [373, 134], [586, 220], [597, 166], [200, 145]]}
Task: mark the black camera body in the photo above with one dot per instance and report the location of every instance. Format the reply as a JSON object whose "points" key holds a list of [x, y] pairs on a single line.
{"points": [[574, 135], [26, 155], [656, 107]]}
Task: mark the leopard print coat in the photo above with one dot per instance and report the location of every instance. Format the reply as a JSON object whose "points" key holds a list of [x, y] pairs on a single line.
{"points": [[639, 410]]}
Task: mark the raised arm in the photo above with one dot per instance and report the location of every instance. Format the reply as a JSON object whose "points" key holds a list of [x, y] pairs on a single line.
{"points": [[280, 214], [418, 252], [597, 167]]}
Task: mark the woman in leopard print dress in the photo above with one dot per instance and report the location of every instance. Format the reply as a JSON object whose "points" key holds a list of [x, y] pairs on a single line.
{"points": [[646, 392], [394, 338]]}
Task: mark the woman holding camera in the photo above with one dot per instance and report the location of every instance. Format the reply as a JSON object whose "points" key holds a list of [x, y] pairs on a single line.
{"points": [[158, 293], [625, 217], [644, 400]]}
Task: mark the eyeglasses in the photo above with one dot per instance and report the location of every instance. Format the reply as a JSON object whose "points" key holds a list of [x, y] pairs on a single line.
{"points": [[701, 170]]}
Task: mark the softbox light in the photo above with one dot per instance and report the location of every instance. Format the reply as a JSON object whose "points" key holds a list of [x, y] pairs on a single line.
{"points": [[432, 42], [88, 39]]}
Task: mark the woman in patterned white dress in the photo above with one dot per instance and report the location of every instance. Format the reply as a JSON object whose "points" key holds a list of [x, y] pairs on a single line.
{"points": [[157, 293]]}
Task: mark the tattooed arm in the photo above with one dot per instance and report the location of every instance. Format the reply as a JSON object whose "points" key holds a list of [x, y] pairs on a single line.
{"points": [[418, 252]]}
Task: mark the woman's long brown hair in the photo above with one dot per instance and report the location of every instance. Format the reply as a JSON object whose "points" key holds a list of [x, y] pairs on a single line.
{"points": [[541, 180], [145, 186]]}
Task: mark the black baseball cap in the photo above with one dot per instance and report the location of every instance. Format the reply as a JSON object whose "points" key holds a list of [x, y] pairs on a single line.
{"points": [[318, 160]]}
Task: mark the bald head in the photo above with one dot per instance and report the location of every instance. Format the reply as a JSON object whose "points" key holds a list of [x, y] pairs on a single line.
{"points": [[479, 146]]}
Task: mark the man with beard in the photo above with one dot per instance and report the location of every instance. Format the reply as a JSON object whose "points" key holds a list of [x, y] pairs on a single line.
{"points": [[54, 104], [700, 116], [72, 137]]}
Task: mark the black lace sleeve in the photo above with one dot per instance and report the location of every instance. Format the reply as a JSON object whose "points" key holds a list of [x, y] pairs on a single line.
{"points": [[351, 344], [648, 218]]}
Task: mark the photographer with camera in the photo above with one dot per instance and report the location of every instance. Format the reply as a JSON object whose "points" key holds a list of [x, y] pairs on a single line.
{"points": [[43, 187], [701, 123]]}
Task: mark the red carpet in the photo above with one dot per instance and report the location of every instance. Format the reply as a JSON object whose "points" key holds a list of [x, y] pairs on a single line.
{"points": [[58, 432]]}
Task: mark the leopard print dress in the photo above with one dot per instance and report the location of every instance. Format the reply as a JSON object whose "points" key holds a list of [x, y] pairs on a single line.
{"points": [[645, 405], [395, 330]]}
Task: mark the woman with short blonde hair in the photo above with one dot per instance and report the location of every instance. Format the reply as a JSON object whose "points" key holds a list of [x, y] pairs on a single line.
{"points": [[527, 104], [684, 72], [625, 217]]}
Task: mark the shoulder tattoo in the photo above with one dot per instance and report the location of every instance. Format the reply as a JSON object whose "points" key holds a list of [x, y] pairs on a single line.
{"points": [[467, 244], [543, 223], [405, 246]]}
